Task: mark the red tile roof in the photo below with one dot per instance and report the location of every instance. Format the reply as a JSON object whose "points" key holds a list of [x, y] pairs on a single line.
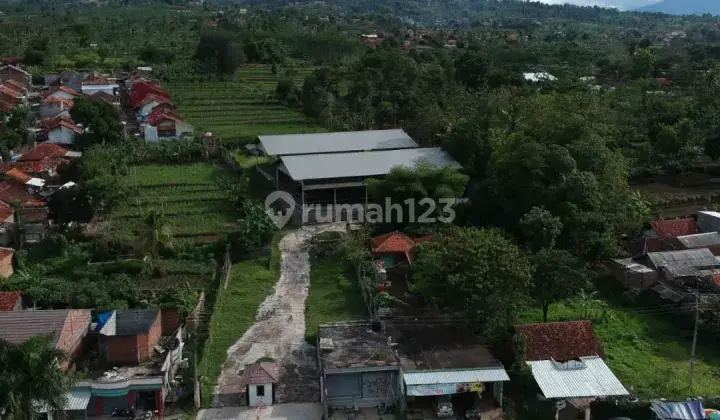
{"points": [[674, 228], [13, 88], [261, 373], [68, 90], [10, 92], [31, 167], [95, 79], [43, 151], [5, 211], [141, 89], [8, 300], [12, 192], [6, 252], [14, 83], [151, 97], [18, 175], [392, 242], [66, 124], [34, 215], [663, 81], [560, 341], [6, 107], [162, 114]]}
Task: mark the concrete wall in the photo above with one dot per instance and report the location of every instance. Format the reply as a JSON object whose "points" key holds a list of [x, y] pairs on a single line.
{"points": [[61, 135], [254, 399]]}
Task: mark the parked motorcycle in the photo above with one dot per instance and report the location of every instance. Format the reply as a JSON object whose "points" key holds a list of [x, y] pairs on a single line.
{"points": [[127, 413]]}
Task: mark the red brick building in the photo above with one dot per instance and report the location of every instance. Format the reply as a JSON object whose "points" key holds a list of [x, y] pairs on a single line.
{"points": [[129, 336], [11, 301]]}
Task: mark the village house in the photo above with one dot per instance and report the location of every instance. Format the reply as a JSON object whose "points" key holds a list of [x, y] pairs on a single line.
{"points": [[66, 327], [165, 124], [11, 96], [62, 131], [125, 360], [567, 363], [140, 90], [68, 78], [11, 301], [42, 161], [53, 106], [6, 262], [7, 224], [408, 366], [149, 103], [64, 92], [11, 72], [396, 248], [31, 209]]}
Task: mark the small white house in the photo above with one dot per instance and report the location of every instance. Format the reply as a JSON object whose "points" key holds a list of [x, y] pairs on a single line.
{"points": [[63, 132], [260, 380]]}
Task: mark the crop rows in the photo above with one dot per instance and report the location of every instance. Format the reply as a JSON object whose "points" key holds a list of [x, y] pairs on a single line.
{"points": [[244, 108], [195, 208]]}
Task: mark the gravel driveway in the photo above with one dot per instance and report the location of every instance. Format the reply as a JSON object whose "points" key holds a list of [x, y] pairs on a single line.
{"points": [[279, 331]]}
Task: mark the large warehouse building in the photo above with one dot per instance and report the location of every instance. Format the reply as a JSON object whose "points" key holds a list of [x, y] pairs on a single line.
{"points": [[331, 169]]}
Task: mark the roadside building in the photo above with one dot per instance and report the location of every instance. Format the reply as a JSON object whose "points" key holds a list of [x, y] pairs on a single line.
{"points": [[260, 381], [567, 363]]}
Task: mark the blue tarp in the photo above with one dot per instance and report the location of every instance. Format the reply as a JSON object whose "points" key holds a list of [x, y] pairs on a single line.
{"points": [[690, 410], [102, 320]]}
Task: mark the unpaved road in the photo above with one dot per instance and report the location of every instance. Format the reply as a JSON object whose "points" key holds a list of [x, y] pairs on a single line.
{"points": [[279, 331]]}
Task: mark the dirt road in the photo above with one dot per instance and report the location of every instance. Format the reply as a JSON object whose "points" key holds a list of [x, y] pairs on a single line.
{"points": [[279, 331]]}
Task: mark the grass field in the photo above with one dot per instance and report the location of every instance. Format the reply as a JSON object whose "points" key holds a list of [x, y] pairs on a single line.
{"points": [[247, 107], [646, 348], [333, 296], [196, 209], [234, 311]]}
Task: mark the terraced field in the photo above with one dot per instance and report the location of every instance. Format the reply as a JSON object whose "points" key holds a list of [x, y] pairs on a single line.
{"points": [[197, 210], [247, 107]]}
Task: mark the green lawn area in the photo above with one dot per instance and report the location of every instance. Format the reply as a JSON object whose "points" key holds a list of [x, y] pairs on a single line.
{"points": [[334, 295], [647, 349], [246, 107], [196, 208], [246, 161], [234, 311]]}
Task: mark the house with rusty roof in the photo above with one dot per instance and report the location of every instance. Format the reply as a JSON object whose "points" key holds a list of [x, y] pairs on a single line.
{"points": [[11, 301], [567, 362], [42, 161], [396, 248]]}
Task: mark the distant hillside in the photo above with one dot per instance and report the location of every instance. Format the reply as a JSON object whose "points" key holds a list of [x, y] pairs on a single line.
{"points": [[684, 7]]}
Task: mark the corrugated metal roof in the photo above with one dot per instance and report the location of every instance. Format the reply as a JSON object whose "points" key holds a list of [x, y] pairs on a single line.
{"points": [[493, 374], [689, 410], [77, 400], [595, 379], [700, 240], [348, 141], [362, 164], [682, 263]]}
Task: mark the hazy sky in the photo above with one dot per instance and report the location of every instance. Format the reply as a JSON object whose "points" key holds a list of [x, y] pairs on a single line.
{"points": [[620, 4]]}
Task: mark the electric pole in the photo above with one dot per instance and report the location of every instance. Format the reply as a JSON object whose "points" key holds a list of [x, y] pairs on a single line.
{"points": [[694, 342]]}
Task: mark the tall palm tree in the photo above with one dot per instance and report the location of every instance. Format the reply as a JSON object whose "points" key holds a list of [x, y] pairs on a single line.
{"points": [[32, 377], [156, 234]]}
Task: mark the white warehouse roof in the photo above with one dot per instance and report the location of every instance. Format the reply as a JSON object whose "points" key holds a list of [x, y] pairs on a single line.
{"points": [[593, 379], [490, 374], [361, 164], [349, 141]]}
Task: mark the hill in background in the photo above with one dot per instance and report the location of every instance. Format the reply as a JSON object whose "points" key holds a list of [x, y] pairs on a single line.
{"points": [[684, 7]]}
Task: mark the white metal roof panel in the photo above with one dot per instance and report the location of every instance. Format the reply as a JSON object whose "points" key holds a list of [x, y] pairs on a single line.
{"points": [[77, 400], [349, 141], [594, 380], [362, 164], [492, 374]]}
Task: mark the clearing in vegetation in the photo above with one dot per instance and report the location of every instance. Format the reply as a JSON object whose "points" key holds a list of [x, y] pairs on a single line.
{"points": [[334, 295], [196, 208], [245, 108], [645, 347]]}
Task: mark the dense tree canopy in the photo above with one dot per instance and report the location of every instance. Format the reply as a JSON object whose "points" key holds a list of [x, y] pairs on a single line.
{"points": [[477, 272]]}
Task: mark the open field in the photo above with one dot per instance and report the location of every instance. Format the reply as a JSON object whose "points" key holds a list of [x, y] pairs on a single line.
{"points": [[247, 107], [647, 347], [195, 207], [234, 312], [334, 295]]}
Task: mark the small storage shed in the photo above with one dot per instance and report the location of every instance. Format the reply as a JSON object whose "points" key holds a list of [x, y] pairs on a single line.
{"points": [[632, 274], [260, 379]]}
